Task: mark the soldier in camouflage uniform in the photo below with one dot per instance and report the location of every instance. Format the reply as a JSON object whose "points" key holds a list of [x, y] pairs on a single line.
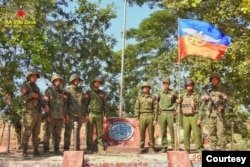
{"points": [[146, 113], [75, 110], [31, 96], [95, 106], [167, 110], [192, 115], [56, 99], [215, 99]]}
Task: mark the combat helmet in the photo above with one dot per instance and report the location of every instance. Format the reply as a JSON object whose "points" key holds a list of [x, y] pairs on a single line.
{"points": [[145, 84], [166, 80], [97, 79], [32, 72], [214, 75], [56, 76], [73, 77], [189, 82]]}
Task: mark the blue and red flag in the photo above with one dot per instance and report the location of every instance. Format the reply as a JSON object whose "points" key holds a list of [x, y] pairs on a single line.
{"points": [[200, 38]]}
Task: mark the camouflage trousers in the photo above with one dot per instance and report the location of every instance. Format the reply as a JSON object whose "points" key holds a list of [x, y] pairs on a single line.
{"points": [[146, 123], [32, 125], [217, 134], [54, 129], [68, 129]]}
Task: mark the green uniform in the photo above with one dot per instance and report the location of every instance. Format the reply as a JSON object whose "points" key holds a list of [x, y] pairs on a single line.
{"points": [[167, 109], [32, 117], [190, 108], [146, 112], [57, 111], [215, 114], [75, 112], [95, 104]]}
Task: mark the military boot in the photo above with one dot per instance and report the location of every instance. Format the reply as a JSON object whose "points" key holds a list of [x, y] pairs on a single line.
{"points": [[36, 153], [25, 152], [46, 150], [56, 150]]}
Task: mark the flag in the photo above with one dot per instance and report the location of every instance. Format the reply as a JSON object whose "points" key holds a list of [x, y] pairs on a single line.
{"points": [[202, 39]]}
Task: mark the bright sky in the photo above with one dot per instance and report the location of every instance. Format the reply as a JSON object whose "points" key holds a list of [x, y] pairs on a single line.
{"points": [[135, 15]]}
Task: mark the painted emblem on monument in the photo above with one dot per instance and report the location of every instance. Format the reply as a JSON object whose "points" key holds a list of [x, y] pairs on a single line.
{"points": [[120, 131]]}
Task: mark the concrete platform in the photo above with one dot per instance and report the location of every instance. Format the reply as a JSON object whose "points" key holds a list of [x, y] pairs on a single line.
{"points": [[114, 157]]}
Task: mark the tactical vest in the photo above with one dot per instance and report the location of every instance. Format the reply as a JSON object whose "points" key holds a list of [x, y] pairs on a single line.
{"points": [[75, 101], [188, 105], [32, 103], [56, 102]]}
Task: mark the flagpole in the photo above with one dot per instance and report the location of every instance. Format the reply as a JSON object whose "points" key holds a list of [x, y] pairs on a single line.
{"points": [[122, 56], [179, 87]]}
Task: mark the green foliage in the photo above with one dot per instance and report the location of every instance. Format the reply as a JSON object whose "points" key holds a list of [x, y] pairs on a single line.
{"points": [[69, 36], [156, 37]]}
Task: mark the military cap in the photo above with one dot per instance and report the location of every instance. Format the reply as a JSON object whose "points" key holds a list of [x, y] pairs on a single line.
{"points": [[56, 76], [145, 84], [32, 73], [166, 80], [214, 75], [73, 77], [189, 82], [97, 79]]}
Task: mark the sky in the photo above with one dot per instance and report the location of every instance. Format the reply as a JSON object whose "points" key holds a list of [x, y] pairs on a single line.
{"points": [[135, 15]]}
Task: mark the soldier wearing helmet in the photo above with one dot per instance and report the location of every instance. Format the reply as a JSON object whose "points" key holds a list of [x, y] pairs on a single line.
{"points": [[215, 100], [95, 109], [75, 110], [146, 113], [192, 115], [56, 99], [167, 109], [32, 98]]}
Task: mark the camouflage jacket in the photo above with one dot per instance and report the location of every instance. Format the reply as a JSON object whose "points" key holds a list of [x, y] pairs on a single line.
{"points": [[75, 101], [218, 100], [95, 102], [56, 102], [146, 104], [27, 95]]}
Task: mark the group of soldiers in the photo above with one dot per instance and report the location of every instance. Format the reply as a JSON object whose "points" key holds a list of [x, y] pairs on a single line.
{"points": [[191, 105], [62, 106], [69, 106]]}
